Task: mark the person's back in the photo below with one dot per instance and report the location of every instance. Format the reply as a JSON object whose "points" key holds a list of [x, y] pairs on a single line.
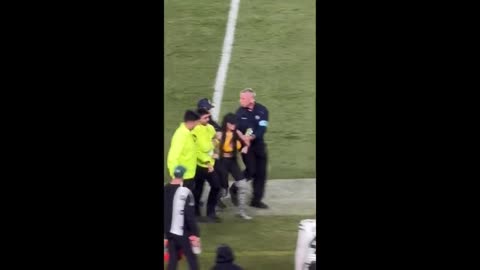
{"points": [[225, 258], [180, 228]]}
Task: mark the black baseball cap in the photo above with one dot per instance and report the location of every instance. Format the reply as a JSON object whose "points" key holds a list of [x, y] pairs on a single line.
{"points": [[205, 103]]}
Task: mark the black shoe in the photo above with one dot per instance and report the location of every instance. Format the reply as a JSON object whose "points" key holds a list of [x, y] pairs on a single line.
{"points": [[214, 219], [233, 197], [209, 219], [260, 205]]}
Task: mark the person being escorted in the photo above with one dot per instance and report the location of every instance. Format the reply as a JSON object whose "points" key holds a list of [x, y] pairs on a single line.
{"points": [[204, 134], [183, 149], [252, 121], [230, 145], [180, 227]]}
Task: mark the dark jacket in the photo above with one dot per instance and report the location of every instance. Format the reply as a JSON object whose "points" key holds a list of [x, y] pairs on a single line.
{"points": [[225, 259]]}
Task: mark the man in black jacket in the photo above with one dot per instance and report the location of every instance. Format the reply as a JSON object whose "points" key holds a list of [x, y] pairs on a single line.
{"points": [[252, 120], [180, 227]]}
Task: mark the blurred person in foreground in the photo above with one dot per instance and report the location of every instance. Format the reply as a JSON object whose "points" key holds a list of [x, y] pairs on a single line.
{"points": [[180, 226], [224, 259], [306, 251], [252, 120], [183, 149]]}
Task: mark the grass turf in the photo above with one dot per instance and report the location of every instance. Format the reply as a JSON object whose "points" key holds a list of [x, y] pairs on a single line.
{"points": [[273, 52], [266, 242]]}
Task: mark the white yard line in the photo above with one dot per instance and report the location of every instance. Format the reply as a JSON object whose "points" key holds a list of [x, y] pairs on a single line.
{"points": [[226, 54]]}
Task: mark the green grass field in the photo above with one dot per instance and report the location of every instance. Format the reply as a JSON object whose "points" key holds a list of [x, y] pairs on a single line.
{"points": [[274, 53]]}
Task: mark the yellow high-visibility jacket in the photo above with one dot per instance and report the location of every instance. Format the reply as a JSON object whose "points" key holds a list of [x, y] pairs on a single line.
{"points": [[183, 151], [204, 135]]}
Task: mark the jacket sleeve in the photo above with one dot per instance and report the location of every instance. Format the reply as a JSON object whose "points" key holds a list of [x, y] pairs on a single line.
{"points": [[190, 220], [261, 126], [203, 157], [176, 147], [204, 145]]}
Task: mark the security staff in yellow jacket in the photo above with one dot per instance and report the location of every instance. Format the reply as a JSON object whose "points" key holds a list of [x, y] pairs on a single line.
{"points": [[183, 149], [204, 134]]}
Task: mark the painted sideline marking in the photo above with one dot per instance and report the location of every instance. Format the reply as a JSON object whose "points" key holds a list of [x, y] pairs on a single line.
{"points": [[226, 53]]}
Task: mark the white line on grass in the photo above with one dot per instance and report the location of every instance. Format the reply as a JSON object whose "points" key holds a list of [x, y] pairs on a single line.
{"points": [[226, 53]]}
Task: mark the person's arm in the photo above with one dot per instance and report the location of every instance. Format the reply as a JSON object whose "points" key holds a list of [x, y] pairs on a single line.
{"points": [[176, 147], [260, 129], [190, 219], [215, 125], [243, 137]]}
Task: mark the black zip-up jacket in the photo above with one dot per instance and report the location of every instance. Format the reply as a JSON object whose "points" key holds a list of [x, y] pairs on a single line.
{"points": [[256, 119]]}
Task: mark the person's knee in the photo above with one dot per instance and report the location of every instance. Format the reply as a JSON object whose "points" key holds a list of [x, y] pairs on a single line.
{"points": [[251, 171], [241, 184]]}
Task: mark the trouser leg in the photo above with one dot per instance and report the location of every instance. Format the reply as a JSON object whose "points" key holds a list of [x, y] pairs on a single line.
{"points": [[242, 195], [198, 190], [186, 248], [249, 159], [260, 176], [173, 249], [242, 187], [222, 174], [214, 182], [189, 183]]}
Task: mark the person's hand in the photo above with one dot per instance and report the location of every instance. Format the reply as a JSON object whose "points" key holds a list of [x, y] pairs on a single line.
{"points": [[245, 150], [215, 156], [210, 168], [218, 135], [194, 240]]}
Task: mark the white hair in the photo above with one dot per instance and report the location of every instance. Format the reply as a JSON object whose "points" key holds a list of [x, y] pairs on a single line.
{"points": [[248, 90]]}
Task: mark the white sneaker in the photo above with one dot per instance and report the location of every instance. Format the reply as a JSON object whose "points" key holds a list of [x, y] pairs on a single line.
{"points": [[244, 216]]}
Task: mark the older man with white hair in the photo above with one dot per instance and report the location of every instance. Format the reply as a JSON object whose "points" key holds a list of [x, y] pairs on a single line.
{"points": [[252, 121]]}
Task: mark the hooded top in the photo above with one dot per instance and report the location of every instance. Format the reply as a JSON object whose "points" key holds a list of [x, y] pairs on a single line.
{"points": [[225, 259]]}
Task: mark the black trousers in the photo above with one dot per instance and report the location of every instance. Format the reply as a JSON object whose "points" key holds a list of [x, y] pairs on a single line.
{"points": [[189, 183], [201, 175], [229, 166], [177, 243], [255, 161], [218, 167]]}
